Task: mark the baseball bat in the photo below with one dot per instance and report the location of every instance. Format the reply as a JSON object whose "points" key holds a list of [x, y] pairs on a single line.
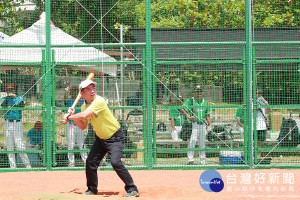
{"points": [[89, 77]]}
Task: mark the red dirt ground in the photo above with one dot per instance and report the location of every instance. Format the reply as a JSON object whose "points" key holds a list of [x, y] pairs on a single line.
{"points": [[155, 184]]}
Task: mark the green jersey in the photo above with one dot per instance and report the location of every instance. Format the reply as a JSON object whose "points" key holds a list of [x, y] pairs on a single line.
{"points": [[200, 109], [240, 115], [178, 117]]}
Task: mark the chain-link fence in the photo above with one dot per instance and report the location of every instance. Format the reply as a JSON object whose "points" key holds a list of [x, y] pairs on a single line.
{"points": [[229, 69]]}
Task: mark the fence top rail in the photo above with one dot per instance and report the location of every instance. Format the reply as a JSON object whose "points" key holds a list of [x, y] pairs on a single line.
{"points": [[11, 45]]}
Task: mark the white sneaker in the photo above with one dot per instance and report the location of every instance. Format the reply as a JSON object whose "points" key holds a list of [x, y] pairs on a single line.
{"points": [[202, 161], [13, 167], [71, 165]]}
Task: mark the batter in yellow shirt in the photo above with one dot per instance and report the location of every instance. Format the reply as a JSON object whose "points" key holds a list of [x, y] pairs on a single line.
{"points": [[110, 138], [103, 121]]}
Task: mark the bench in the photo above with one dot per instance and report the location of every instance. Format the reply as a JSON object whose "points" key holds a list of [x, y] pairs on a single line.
{"points": [[236, 143], [209, 144]]}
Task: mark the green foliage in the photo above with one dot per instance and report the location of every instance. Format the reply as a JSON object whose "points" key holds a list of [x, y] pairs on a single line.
{"points": [[9, 16], [168, 77], [186, 13], [82, 18], [128, 18], [89, 20], [281, 84], [207, 13], [192, 78], [279, 13]]}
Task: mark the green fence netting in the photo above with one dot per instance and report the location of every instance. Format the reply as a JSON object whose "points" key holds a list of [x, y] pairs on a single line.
{"points": [[231, 68]]}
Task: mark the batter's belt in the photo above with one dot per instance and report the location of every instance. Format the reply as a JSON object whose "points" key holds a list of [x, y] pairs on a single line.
{"points": [[11, 120]]}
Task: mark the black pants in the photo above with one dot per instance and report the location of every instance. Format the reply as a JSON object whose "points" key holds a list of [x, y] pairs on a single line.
{"points": [[113, 146]]}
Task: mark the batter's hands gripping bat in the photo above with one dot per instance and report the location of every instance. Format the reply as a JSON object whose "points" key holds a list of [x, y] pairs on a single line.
{"points": [[90, 77]]}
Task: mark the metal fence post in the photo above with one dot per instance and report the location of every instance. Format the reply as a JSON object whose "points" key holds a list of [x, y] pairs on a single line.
{"points": [[249, 79]]}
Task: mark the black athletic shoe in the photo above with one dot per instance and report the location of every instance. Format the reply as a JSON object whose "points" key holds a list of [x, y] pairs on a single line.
{"points": [[191, 163], [132, 194]]}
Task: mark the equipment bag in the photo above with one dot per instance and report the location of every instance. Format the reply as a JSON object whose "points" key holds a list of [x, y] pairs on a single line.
{"points": [[289, 133], [219, 133], [186, 131]]}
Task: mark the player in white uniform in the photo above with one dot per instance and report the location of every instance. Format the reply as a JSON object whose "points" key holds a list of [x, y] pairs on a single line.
{"points": [[261, 120], [12, 124], [177, 119], [73, 133], [200, 116], [239, 116]]}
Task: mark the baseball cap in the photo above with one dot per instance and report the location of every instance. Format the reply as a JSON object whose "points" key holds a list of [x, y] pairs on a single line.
{"points": [[198, 89], [38, 125], [86, 83], [10, 86]]}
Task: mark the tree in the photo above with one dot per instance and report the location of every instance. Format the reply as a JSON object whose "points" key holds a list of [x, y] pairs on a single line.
{"points": [[207, 13], [82, 18], [276, 13], [8, 15], [183, 14]]}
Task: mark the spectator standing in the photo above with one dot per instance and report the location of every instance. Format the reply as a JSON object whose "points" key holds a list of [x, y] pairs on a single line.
{"points": [[239, 116], [13, 130], [73, 133], [261, 120], [177, 119]]}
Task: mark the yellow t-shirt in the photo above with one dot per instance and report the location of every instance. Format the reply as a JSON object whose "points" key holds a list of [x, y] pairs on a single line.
{"points": [[103, 121]]}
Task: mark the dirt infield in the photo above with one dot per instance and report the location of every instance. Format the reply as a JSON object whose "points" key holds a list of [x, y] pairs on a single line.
{"points": [[155, 184]]}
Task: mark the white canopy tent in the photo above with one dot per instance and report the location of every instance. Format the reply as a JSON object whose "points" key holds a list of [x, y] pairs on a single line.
{"points": [[36, 35]]}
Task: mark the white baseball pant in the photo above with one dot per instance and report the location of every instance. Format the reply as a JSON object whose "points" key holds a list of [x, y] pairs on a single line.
{"points": [[13, 132], [241, 129], [175, 133], [198, 134], [74, 134]]}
